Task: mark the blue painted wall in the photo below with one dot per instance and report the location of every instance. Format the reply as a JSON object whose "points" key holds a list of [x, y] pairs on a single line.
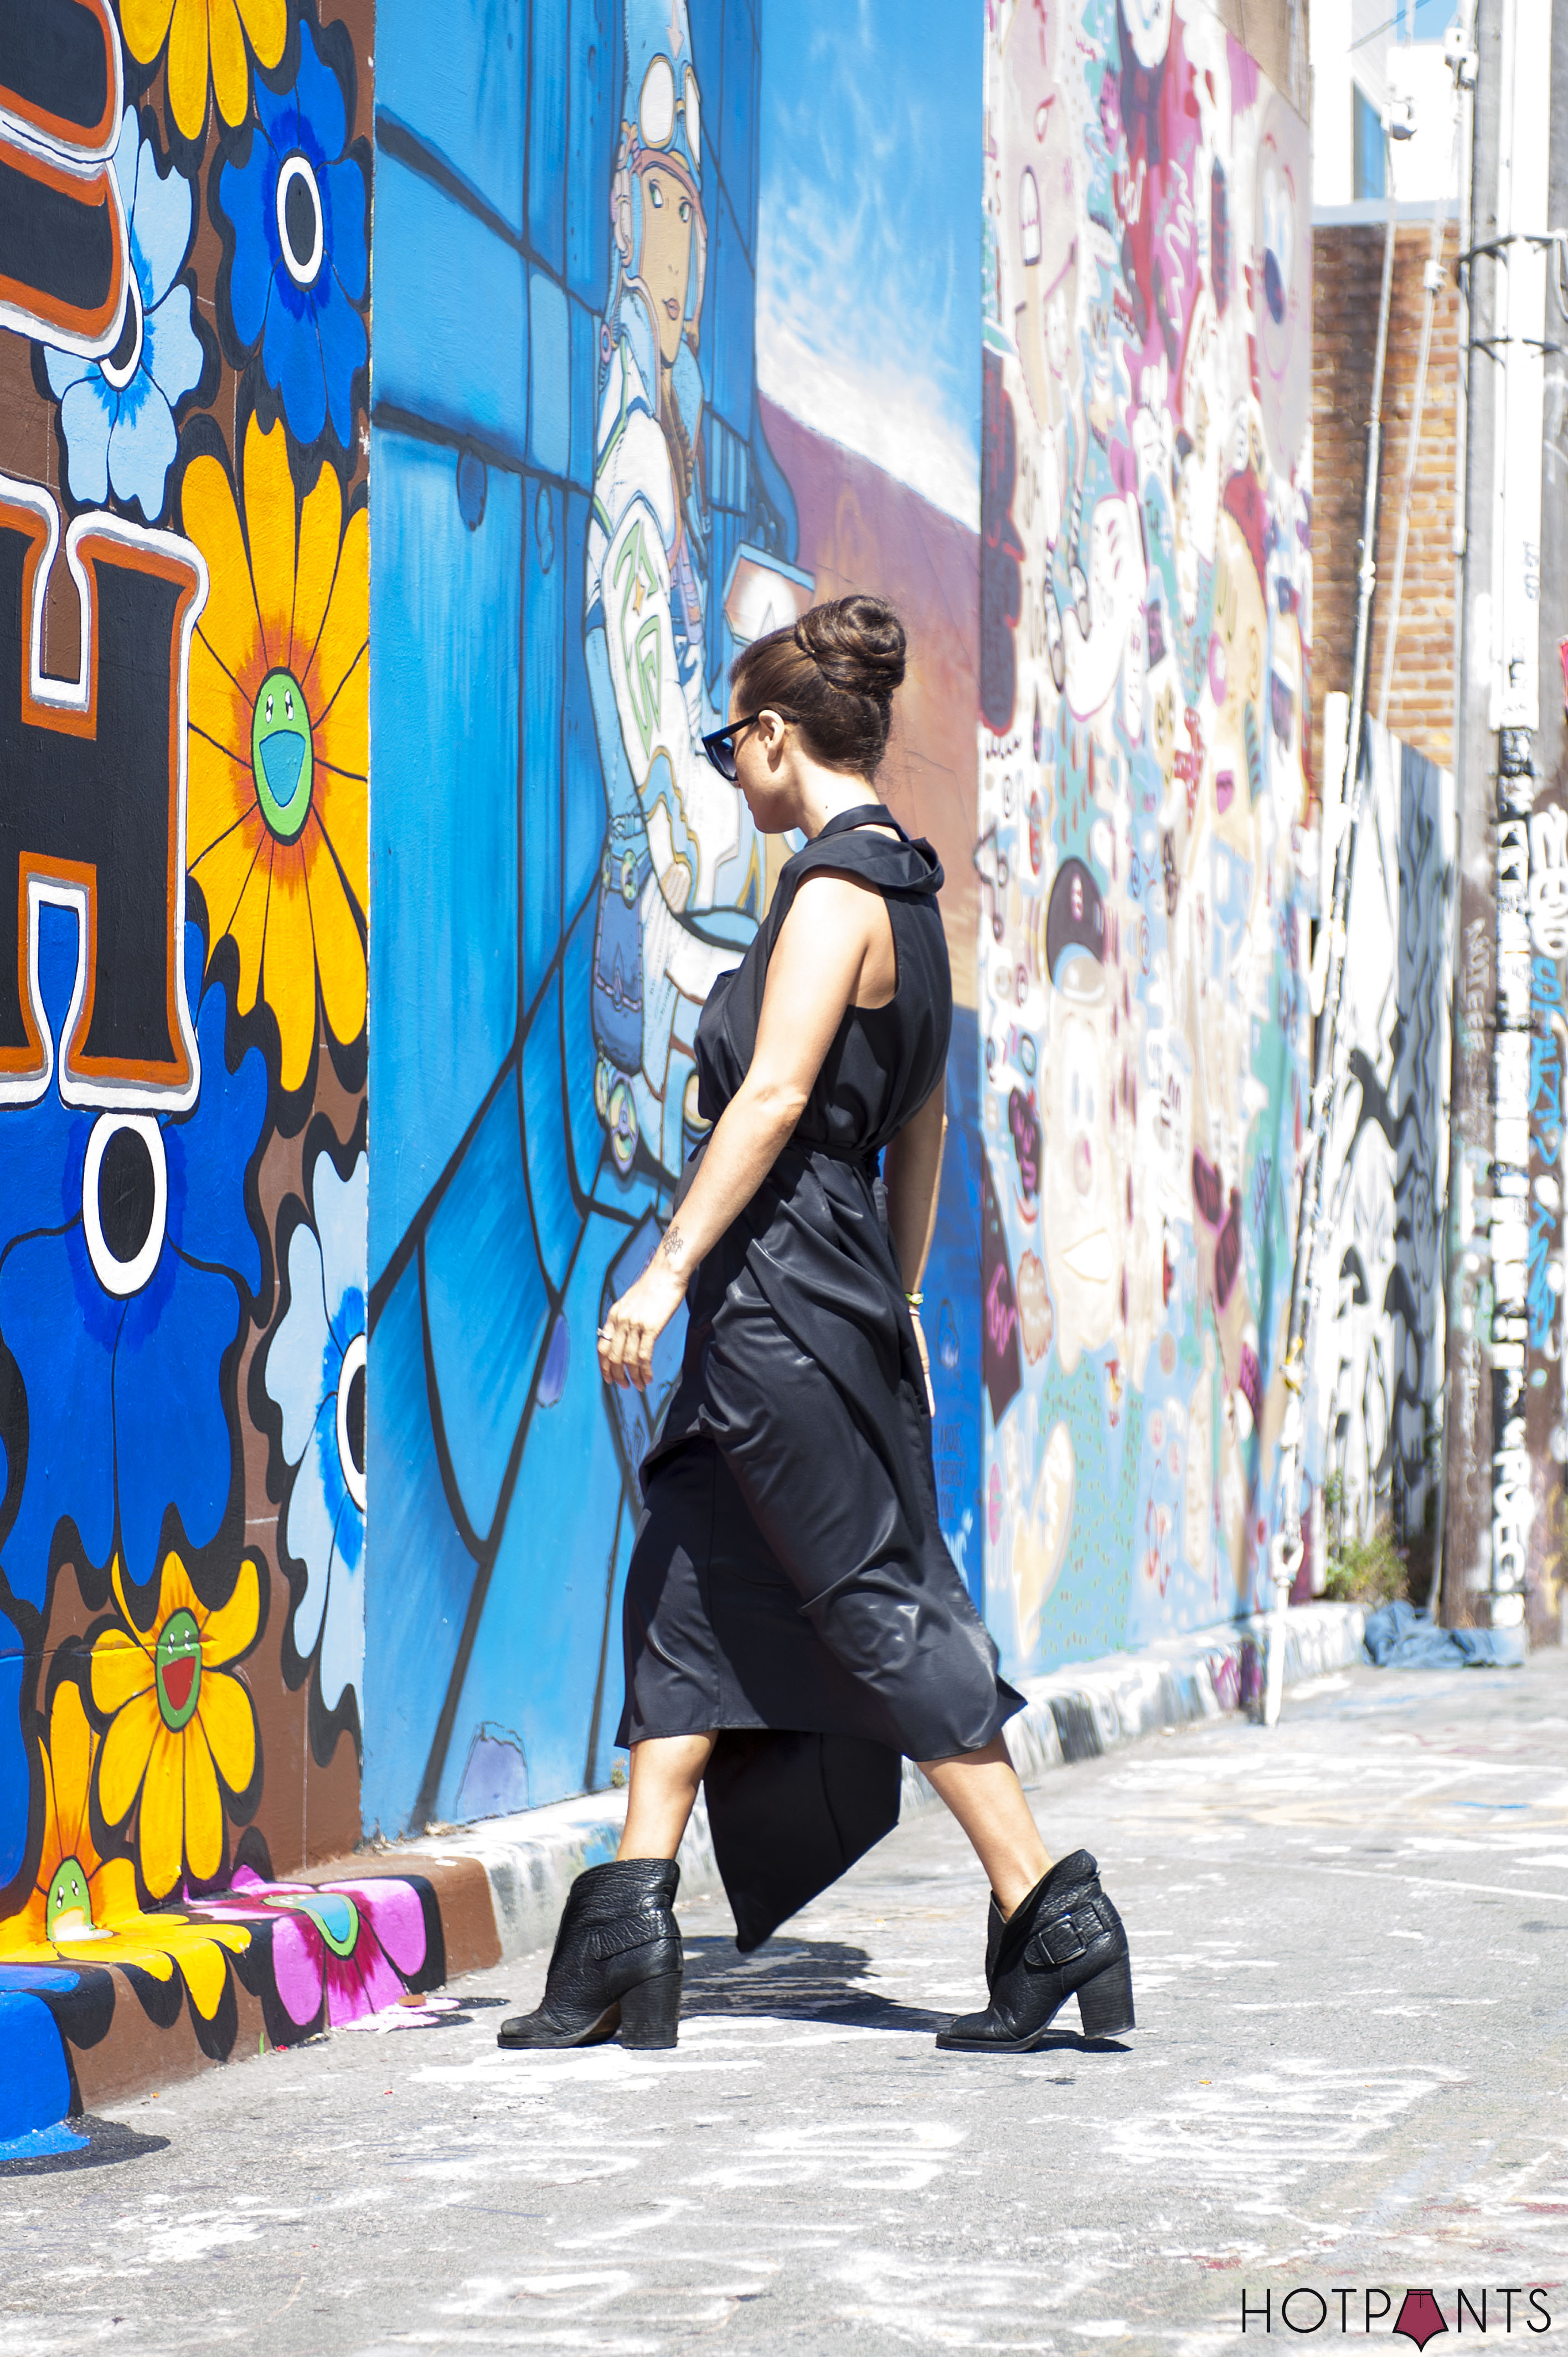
{"points": [[518, 1162]]}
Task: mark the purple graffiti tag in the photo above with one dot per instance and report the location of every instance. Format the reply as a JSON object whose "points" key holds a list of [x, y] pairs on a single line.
{"points": [[1023, 1120], [1000, 575]]}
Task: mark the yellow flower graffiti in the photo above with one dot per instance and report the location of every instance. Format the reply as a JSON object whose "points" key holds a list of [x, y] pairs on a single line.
{"points": [[82, 1908], [198, 31], [180, 1721], [277, 826], [74, 1888]]}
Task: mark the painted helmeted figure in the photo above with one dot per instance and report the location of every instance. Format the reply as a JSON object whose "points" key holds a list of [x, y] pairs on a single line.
{"points": [[680, 886]]}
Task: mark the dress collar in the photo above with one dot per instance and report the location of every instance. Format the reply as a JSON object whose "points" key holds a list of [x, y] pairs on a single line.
{"points": [[863, 814]]}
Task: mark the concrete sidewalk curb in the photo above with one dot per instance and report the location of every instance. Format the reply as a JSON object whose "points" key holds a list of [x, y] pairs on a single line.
{"points": [[498, 1888], [532, 1859]]}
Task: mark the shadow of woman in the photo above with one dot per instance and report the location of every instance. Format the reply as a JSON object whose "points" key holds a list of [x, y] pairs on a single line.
{"points": [[822, 1980], [794, 1980]]}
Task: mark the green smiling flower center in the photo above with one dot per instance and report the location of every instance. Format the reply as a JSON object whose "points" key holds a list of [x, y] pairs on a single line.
{"points": [[178, 1666], [282, 757], [68, 1896]]}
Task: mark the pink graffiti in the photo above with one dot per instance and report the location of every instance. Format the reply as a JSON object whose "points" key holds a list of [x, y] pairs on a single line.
{"points": [[1001, 1315]]}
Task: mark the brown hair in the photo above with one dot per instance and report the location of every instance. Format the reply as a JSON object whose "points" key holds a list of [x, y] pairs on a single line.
{"points": [[835, 674]]}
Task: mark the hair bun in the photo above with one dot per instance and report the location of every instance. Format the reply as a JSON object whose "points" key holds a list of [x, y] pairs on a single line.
{"points": [[858, 645]]}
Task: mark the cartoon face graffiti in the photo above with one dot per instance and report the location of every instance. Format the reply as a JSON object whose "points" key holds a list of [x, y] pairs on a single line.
{"points": [[667, 254], [680, 887], [281, 754]]}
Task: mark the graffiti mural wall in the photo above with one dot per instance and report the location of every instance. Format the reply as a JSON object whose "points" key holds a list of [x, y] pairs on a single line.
{"points": [[580, 516], [1376, 1406], [575, 513], [183, 898], [333, 1121], [1145, 642]]}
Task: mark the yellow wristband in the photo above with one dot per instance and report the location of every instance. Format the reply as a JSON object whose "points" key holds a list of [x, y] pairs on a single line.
{"points": [[914, 1299]]}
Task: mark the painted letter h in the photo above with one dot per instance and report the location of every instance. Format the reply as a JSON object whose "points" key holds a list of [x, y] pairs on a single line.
{"points": [[92, 814]]}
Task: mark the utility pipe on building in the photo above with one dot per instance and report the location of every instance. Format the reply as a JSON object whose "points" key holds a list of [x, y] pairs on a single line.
{"points": [[1515, 716], [1515, 902], [1465, 1536], [1459, 52], [1286, 1552]]}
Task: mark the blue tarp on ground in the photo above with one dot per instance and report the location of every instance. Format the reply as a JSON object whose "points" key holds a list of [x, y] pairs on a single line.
{"points": [[1397, 1637]]}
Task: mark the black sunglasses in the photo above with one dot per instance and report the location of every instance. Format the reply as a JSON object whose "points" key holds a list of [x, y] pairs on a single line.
{"points": [[719, 744]]}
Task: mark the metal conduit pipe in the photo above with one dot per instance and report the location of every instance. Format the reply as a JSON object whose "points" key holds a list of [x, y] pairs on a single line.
{"points": [[1286, 1548]]}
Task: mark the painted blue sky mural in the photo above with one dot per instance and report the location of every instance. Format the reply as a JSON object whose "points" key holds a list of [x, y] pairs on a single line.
{"points": [[869, 257]]}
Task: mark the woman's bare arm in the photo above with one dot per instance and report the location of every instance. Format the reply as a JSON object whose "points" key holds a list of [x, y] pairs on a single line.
{"points": [[813, 976]]}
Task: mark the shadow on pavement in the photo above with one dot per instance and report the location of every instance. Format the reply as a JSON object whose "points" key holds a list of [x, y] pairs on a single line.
{"points": [[794, 1980], [108, 2141], [821, 1980]]}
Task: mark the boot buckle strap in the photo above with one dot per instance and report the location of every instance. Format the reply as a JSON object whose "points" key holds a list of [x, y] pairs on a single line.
{"points": [[1065, 1938]]}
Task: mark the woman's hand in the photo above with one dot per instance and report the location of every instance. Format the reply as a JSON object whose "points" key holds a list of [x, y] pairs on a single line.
{"points": [[635, 1322]]}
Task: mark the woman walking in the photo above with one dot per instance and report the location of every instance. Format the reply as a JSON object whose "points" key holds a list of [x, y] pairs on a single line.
{"points": [[794, 1625]]}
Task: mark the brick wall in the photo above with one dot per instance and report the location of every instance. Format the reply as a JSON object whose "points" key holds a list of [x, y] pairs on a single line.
{"points": [[1347, 276]]}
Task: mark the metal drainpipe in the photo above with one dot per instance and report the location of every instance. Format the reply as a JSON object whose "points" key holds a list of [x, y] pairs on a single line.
{"points": [[1522, 196], [1466, 1523], [1460, 54], [1286, 1549]]}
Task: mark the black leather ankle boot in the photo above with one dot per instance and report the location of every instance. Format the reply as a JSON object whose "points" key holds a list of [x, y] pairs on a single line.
{"points": [[1065, 1939], [995, 1924], [615, 1964]]}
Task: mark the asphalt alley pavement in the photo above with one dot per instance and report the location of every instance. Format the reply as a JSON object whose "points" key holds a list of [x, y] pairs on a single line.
{"points": [[1351, 1957]]}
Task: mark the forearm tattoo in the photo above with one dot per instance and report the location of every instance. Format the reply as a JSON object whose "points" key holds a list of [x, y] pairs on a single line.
{"points": [[674, 1245]]}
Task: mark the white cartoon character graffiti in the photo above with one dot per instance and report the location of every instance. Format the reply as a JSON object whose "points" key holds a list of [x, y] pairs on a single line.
{"points": [[1099, 1218], [680, 883], [1118, 578]]}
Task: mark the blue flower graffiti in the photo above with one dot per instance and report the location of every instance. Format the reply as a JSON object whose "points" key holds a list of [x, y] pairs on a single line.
{"points": [[316, 1375], [117, 412], [140, 1186], [296, 204], [127, 1256]]}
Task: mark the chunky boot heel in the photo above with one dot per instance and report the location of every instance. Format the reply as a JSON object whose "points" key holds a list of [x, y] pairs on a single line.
{"points": [[1065, 1939], [618, 1936], [1105, 2003], [651, 2013]]}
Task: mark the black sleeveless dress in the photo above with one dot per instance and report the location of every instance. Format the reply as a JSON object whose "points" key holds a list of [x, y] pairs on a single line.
{"points": [[789, 1584]]}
